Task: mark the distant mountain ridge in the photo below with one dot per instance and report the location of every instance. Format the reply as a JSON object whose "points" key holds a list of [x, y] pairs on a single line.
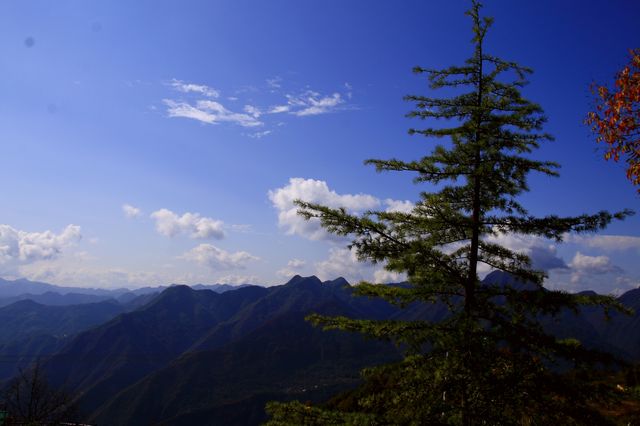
{"points": [[50, 294]]}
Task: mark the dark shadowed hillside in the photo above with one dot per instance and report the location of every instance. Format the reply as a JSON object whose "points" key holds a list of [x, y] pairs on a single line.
{"points": [[100, 362], [30, 330]]}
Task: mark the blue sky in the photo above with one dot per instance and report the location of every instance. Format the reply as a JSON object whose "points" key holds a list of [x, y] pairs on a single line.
{"points": [[152, 142]]}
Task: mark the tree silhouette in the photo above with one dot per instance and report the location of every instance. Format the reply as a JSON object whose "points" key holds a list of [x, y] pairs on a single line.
{"points": [[29, 399], [490, 361]]}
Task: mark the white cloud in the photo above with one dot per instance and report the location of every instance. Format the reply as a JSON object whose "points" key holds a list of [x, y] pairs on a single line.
{"points": [[201, 89], [216, 258], [238, 279], [625, 283], [93, 276], [253, 111], [294, 266], [315, 191], [259, 135], [605, 242], [278, 109], [296, 263], [209, 112], [203, 103], [542, 252], [241, 227], [591, 273], [592, 264], [399, 206], [313, 103], [382, 276], [343, 262], [131, 211], [21, 247], [318, 191], [170, 224], [349, 88], [274, 83]]}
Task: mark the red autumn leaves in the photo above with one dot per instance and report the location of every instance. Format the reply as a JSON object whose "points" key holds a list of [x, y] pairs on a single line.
{"points": [[616, 119]]}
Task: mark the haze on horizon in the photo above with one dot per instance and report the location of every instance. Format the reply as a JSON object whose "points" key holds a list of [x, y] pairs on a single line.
{"points": [[154, 143]]}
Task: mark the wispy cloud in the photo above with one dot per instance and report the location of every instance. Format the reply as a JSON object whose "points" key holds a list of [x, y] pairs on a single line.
{"points": [[209, 112], [252, 111], [278, 109], [203, 103], [313, 103], [202, 89], [259, 135], [235, 279], [606, 242], [274, 83], [241, 227], [349, 88]]}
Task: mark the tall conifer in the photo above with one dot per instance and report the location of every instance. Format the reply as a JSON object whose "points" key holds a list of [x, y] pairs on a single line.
{"points": [[490, 361]]}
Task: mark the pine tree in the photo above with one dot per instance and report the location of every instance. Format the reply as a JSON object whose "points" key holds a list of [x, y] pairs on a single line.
{"points": [[490, 361]]}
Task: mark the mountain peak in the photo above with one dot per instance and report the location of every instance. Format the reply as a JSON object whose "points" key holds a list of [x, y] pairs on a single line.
{"points": [[178, 288], [338, 282], [297, 279]]}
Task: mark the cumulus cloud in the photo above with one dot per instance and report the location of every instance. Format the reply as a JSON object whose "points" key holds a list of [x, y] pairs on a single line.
{"points": [[586, 272], [170, 224], [21, 247], [201, 89], [318, 191], [130, 211], [583, 272], [593, 264], [294, 266], [542, 253], [315, 191], [216, 258], [343, 262], [384, 277], [209, 112], [399, 206]]}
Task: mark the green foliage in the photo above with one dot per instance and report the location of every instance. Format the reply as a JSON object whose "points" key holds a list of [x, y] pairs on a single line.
{"points": [[489, 361]]}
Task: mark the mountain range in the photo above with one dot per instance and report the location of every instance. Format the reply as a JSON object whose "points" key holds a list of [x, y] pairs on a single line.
{"points": [[196, 356]]}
